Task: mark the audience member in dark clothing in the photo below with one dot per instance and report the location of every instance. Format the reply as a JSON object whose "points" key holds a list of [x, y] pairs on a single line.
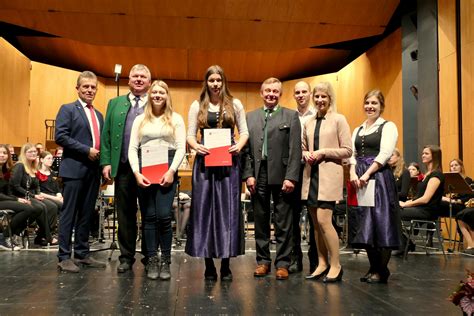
{"points": [[401, 174], [23, 210], [24, 184]]}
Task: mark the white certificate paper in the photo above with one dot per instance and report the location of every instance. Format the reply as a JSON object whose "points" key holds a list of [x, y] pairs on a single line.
{"points": [[216, 137], [366, 195], [218, 142]]}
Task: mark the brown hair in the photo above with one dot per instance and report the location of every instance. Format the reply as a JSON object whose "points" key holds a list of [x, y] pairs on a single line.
{"points": [[226, 106], [8, 164], [84, 75], [459, 161], [436, 157], [42, 156], [379, 95]]}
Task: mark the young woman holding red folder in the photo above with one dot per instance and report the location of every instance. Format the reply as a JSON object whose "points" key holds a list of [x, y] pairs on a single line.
{"points": [[216, 223], [158, 126]]}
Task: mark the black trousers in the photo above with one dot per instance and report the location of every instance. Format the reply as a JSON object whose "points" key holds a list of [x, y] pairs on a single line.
{"points": [[48, 218], [297, 207], [23, 213], [80, 197], [282, 219], [126, 194]]}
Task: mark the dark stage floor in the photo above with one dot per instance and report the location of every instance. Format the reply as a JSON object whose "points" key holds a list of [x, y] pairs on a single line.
{"points": [[31, 285]]}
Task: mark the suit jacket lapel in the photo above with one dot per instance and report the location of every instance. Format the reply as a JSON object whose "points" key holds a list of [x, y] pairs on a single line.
{"points": [[126, 104], [83, 114]]}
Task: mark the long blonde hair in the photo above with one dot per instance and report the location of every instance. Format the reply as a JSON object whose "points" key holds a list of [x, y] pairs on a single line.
{"points": [[399, 166], [226, 105], [30, 167], [167, 112]]}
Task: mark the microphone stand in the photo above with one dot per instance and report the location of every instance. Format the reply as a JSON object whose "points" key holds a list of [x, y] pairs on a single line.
{"points": [[113, 244]]}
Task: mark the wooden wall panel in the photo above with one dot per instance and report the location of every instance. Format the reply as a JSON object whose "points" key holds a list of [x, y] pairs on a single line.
{"points": [[380, 67], [467, 69], [448, 98], [14, 95], [51, 87]]}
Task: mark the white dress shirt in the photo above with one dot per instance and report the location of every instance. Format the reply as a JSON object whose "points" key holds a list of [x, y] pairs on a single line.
{"points": [[89, 118]]}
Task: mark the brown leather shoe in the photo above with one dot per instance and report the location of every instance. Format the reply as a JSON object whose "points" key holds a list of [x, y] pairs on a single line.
{"points": [[68, 266], [90, 263], [282, 274], [262, 270]]}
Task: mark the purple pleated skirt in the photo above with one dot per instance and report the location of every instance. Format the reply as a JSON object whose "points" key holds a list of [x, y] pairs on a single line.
{"points": [[216, 227], [377, 226]]}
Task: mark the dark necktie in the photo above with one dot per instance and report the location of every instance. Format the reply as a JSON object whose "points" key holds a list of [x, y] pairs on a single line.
{"points": [[268, 114], [95, 126]]}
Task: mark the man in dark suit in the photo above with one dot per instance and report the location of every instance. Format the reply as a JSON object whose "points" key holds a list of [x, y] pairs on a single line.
{"points": [[121, 112], [78, 127], [272, 167]]}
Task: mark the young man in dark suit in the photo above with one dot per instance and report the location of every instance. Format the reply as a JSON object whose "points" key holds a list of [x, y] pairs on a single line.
{"points": [[272, 167], [78, 127]]}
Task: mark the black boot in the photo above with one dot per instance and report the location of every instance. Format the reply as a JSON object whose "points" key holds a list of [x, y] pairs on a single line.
{"points": [[374, 260], [383, 273], [153, 268], [210, 273], [226, 274], [165, 273]]}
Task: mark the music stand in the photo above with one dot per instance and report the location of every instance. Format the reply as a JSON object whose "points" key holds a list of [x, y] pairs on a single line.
{"points": [[109, 192], [454, 183]]}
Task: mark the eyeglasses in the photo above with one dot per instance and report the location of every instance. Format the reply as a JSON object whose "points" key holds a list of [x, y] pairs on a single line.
{"points": [[31, 151]]}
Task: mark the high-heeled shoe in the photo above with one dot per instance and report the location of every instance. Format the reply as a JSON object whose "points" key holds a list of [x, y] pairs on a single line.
{"points": [[336, 279], [317, 276]]}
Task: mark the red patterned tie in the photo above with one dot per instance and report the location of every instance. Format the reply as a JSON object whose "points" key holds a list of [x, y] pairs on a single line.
{"points": [[95, 127]]}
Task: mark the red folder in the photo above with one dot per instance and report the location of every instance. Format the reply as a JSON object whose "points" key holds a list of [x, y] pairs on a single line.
{"points": [[154, 162], [351, 194], [218, 157], [154, 173]]}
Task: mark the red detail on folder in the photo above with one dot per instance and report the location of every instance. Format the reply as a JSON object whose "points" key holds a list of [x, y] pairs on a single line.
{"points": [[364, 196], [154, 173], [218, 157], [351, 194]]}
